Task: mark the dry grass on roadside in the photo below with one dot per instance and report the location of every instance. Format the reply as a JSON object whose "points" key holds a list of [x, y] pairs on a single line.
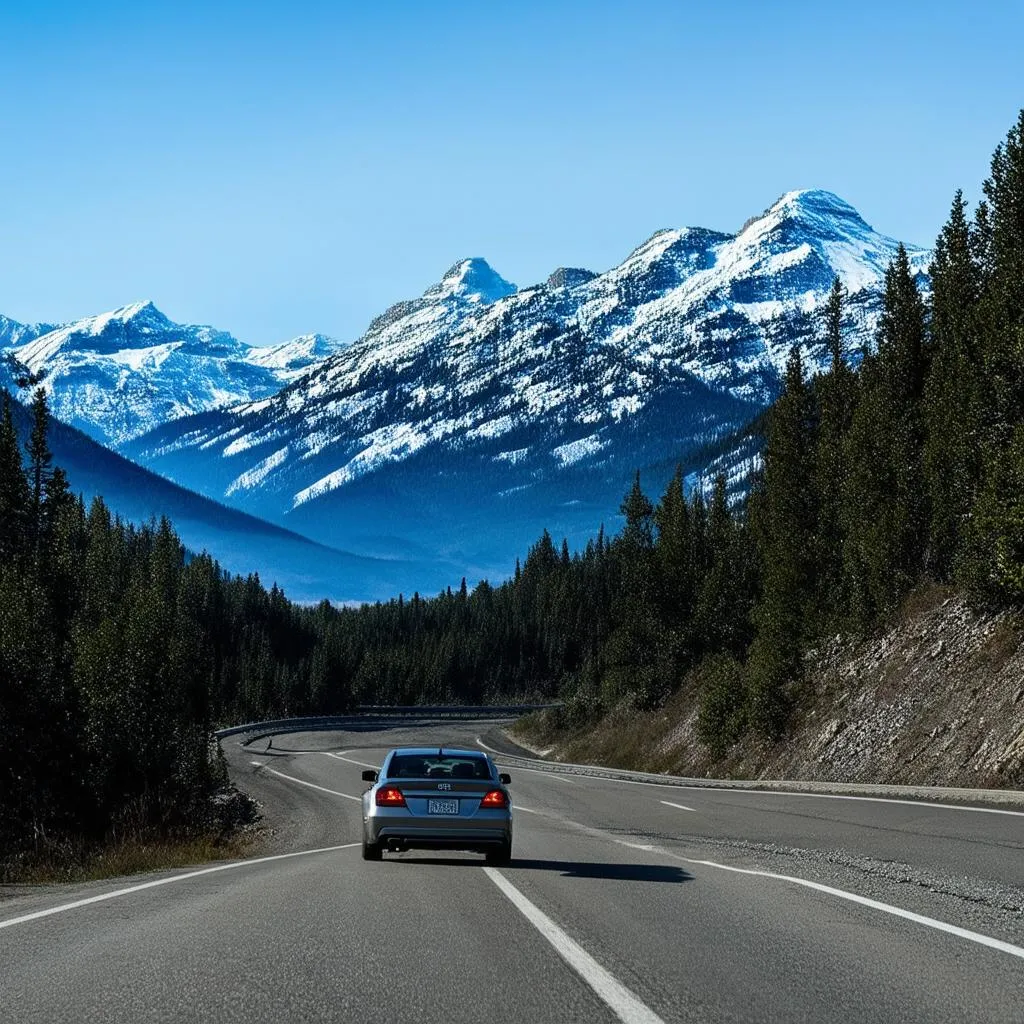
{"points": [[625, 738], [127, 857]]}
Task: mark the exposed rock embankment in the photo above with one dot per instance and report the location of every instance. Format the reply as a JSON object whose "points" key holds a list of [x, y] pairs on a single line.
{"points": [[935, 700]]}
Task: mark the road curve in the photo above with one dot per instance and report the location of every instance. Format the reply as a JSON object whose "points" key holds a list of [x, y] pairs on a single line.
{"points": [[624, 902]]}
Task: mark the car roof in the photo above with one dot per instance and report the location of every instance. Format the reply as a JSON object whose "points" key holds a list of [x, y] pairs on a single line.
{"points": [[433, 752]]}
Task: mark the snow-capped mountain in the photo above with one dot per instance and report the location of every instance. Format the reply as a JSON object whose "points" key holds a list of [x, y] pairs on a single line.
{"points": [[122, 373], [13, 333], [472, 416], [290, 358]]}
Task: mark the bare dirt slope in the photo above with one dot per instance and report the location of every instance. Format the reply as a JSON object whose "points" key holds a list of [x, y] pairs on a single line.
{"points": [[935, 700]]}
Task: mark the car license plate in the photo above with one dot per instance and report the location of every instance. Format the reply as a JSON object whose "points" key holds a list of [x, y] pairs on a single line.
{"points": [[442, 807]]}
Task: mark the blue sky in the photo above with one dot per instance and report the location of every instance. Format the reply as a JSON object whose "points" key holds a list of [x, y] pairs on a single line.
{"points": [[279, 168]]}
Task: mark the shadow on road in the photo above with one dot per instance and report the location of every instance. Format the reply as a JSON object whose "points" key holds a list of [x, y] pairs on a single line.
{"points": [[573, 869]]}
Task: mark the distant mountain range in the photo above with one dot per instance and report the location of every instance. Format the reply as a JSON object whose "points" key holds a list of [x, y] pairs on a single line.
{"points": [[241, 543], [465, 421], [120, 374]]}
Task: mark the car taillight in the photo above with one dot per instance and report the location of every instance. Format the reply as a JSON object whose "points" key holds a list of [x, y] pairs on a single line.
{"points": [[495, 798], [390, 796]]}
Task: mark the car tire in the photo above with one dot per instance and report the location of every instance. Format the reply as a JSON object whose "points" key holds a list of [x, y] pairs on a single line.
{"points": [[500, 856], [372, 851]]}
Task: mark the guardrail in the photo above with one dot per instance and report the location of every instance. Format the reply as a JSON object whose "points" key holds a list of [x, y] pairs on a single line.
{"points": [[369, 713], [452, 710]]}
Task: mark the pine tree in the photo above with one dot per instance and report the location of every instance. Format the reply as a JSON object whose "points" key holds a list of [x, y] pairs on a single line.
{"points": [[39, 460], [722, 609], [837, 395], [635, 642], [994, 565], [784, 516], [953, 403], [638, 510], [675, 557], [885, 500], [14, 493]]}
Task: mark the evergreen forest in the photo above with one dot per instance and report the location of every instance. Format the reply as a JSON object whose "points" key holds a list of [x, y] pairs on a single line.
{"points": [[120, 652]]}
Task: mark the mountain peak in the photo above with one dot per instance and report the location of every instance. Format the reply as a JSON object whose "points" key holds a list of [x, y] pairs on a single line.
{"points": [[141, 315], [813, 211], [814, 205], [473, 280], [815, 200]]}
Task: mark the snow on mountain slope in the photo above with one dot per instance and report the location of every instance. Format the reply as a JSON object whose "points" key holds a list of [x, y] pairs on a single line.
{"points": [[13, 333], [122, 373], [556, 377], [289, 359]]}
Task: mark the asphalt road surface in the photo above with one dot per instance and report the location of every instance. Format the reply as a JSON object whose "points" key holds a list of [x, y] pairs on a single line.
{"points": [[624, 902]]}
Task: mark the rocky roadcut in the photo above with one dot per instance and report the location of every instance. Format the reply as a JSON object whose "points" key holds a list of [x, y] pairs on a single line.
{"points": [[935, 700]]}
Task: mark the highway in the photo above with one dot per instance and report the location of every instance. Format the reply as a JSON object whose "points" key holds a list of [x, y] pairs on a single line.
{"points": [[624, 902]]}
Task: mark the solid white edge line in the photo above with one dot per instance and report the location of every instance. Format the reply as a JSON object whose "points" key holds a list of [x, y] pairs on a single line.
{"points": [[302, 782], [623, 1003], [744, 791], [166, 881], [886, 908], [679, 807]]}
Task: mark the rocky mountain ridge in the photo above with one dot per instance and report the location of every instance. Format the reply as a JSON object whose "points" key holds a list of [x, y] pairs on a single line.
{"points": [[122, 373], [540, 400]]}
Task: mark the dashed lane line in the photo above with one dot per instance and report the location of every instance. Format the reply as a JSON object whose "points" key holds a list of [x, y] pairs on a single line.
{"points": [[679, 807]]}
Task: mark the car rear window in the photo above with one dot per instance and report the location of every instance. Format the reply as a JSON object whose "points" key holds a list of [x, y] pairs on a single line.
{"points": [[414, 766]]}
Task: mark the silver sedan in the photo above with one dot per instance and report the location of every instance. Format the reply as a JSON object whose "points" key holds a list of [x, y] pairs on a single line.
{"points": [[436, 798]]}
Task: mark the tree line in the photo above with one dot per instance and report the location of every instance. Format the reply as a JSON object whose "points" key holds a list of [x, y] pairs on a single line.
{"points": [[120, 651]]}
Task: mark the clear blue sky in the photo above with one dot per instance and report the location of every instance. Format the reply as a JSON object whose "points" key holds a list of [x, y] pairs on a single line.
{"points": [[278, 168]]}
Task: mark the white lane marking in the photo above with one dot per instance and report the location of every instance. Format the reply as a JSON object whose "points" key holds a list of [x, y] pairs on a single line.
{"points": [[951, 929], [623, 1003], [166, 881], [302, 782], [561, 778], [679, 807], [730, 791], [886, 908], [480, 743], [362, 764], [526, 810]]}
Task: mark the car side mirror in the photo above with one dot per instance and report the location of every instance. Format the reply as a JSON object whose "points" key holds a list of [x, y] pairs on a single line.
{"points": [[504, 779], [369, 775]]}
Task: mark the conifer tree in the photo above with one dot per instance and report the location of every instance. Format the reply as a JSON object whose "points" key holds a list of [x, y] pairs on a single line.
{"points": [[884, 500], [638, 510], [723, 602], [784, 516], [39, 460], [674, 554], [837, 394], [995, 561], [14, 494], [953, 402]]}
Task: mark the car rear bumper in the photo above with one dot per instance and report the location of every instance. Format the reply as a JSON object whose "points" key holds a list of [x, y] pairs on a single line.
{"points": [[413, 836]]}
